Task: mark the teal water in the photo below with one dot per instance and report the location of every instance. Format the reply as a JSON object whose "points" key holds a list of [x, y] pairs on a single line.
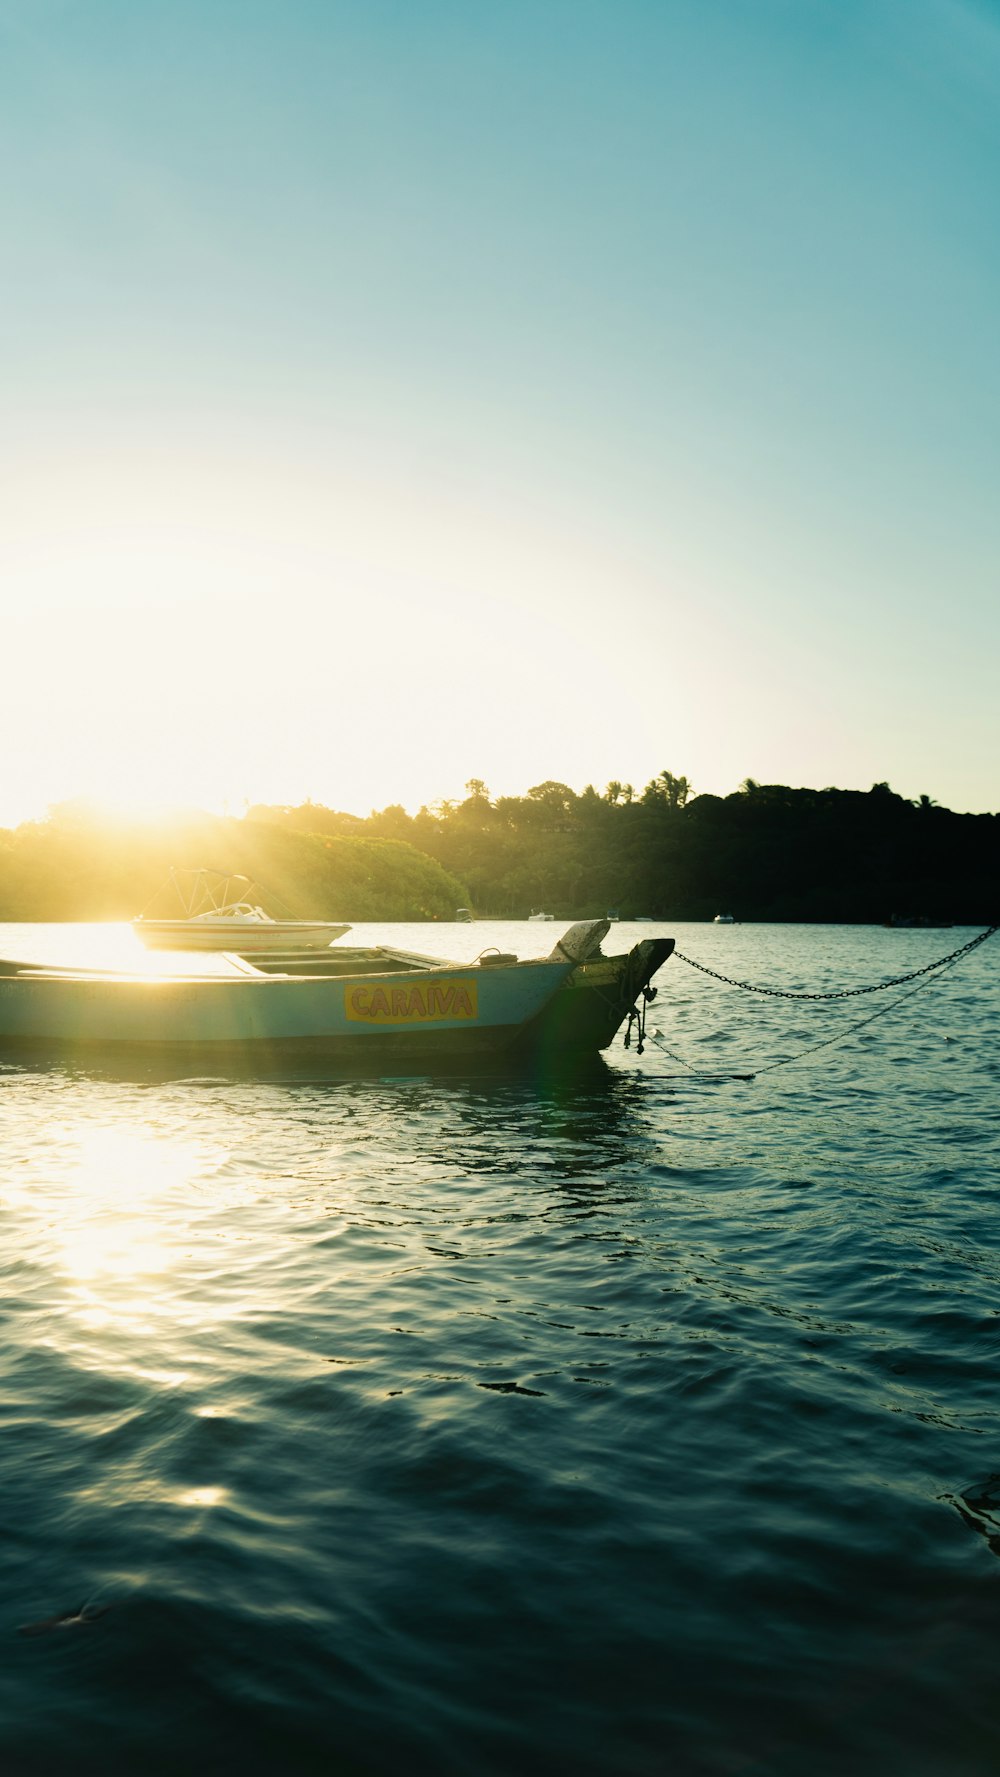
{"points": [[643, 1425]]}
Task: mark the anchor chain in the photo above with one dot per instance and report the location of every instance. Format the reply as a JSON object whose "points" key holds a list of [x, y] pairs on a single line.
{"points": [[843, 993], [928, 972]]}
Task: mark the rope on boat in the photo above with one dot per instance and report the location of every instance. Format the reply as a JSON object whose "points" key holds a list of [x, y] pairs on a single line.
{"points": [[638, 1017]]}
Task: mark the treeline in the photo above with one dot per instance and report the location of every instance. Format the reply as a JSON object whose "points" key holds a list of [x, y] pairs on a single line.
{"points": [[766, 852], [81, 865]]}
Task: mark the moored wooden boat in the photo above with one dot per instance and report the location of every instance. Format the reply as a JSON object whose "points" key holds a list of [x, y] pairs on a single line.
{"points": [[388, 1016], [583, 1017], [372, 1009]]}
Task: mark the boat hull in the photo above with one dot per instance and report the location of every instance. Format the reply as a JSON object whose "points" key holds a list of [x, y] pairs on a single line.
{"points": [[584, 1016], [588, 1011], [374, 1019], [244, 937]]}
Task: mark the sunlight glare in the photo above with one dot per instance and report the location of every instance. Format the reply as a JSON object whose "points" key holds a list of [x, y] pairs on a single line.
{"points": [[110, 1229]]}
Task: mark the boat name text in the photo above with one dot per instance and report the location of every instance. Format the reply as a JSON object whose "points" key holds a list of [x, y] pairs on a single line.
{"points": [[419, 1002]]}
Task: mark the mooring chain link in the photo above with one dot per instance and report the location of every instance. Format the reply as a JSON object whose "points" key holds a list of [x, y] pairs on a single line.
{"points": [[944, 962], [771, 1067], [842, 993]]}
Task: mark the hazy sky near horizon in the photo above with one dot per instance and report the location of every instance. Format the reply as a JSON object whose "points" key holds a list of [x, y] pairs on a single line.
{"points": [[400, 391]]}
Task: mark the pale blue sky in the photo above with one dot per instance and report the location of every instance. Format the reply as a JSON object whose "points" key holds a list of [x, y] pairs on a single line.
{"points": [[396, 393]]}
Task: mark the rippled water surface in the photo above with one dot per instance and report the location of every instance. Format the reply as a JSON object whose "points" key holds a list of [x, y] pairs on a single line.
{"points": [[645, 1424]]}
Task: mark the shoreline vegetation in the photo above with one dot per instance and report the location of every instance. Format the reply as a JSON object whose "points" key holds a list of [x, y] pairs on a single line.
{"points": [[766, 852]]}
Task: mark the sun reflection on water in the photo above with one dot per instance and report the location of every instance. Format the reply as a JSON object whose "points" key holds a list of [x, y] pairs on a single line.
{"points": [[120, 1245], [118, 1178], [201, 1496]]}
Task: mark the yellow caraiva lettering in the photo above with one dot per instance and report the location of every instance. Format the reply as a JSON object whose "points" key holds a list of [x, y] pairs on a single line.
{"points": [[426, 1003]]}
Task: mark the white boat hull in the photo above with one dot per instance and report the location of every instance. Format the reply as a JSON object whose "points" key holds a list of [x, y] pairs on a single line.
{"points": [[244, 937]]}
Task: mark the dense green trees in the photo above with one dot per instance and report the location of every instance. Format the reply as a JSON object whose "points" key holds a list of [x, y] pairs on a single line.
{"points": [[765, 852], [78, 865]]}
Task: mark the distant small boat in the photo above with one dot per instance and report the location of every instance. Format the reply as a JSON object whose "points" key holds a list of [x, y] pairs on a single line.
{"points": [[541, 916], [900, 922], [465, 916], [724, 919], [213, 919]]}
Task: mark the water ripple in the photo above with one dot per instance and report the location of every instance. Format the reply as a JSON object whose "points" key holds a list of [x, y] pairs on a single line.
{"points": [[477, 1427]]}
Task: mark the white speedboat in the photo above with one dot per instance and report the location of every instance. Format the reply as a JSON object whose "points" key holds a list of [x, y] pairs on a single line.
{"points": [[244, 929], [213, 919]]}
